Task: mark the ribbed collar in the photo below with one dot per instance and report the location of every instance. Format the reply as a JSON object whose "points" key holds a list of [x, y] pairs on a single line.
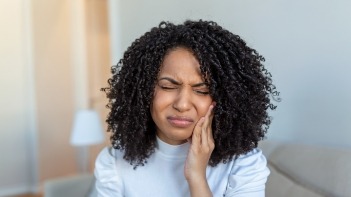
{"points": [[172, 151]]}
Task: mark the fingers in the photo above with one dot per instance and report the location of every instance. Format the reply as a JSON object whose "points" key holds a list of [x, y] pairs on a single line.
{"points": [[202, 145], [196, 136], [206, 130], [202, 134]]}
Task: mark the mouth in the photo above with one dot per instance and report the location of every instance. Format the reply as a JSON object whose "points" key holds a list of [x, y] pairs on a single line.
{"points": [[180, 122]]}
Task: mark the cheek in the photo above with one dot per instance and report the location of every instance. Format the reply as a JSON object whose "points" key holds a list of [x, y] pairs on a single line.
{"points": [[203, 106], [160, 100], [154, 103]]}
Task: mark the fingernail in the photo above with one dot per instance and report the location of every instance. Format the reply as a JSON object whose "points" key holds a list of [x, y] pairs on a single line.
{"points": [[213, 106]]}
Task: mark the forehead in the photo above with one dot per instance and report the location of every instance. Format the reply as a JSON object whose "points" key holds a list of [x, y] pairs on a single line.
{"points": [[180, 63]]}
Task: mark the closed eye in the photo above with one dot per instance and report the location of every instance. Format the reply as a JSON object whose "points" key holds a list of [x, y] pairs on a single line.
{"points": [[202, 92], [167, 88], [201, 88]]}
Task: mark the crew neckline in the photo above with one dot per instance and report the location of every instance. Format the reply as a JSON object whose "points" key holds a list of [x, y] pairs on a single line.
{"points": [[173, 151]]}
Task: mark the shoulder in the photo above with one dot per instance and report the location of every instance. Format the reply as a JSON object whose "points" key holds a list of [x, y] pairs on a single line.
{"points": [[106, 160], [254, 158], [108, 180], [249, 174]]}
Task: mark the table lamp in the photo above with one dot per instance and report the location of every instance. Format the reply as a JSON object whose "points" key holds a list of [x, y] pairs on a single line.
{"points": [[87, 130]]}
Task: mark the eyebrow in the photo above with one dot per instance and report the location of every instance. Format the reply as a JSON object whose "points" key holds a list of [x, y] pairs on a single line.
{"points": [[178, 83]]}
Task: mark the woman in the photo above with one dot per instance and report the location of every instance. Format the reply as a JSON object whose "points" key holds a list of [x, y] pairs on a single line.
{"points": [[188, 106]]}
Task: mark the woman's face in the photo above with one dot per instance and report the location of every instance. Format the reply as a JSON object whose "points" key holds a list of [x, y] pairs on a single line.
{"points": [[181, 97]]}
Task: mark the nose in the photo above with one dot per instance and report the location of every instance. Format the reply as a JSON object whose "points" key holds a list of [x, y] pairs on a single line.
{"points": [[183, 100]]}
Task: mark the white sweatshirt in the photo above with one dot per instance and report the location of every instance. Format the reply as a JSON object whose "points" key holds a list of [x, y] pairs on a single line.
{"points": [[163, 174]]}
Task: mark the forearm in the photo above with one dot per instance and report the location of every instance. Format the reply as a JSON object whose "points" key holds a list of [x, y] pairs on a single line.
{"points": [[199, 188]]}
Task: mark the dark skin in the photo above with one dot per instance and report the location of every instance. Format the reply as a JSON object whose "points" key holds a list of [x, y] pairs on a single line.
{"points": [[182, 110], [236, 79], [202, 145]]}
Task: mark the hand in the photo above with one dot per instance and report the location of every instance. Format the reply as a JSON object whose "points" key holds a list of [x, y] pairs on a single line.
{"points": [[201, 147]]}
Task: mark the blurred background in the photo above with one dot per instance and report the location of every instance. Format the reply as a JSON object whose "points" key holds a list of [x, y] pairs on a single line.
{"points": [[55, 55]]}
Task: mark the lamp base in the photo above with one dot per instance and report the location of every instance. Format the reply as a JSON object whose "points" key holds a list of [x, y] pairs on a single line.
{"points": [[83, 163]]}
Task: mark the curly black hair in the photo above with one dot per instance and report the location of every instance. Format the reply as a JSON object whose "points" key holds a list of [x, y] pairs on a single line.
{"points": [[239, 84]]}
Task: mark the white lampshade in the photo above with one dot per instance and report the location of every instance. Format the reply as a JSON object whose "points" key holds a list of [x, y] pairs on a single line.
{"points": [[87, 129]]}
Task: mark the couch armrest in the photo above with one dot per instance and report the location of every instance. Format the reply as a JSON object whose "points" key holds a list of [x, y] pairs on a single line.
{"points": [[75, 186]]}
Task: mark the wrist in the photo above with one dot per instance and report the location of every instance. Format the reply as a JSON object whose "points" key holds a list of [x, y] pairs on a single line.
{"points": [[196, 179], [195, 176], [199, 187]]}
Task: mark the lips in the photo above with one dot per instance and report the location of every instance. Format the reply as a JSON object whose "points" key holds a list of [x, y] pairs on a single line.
{"points": [[180, 122]]}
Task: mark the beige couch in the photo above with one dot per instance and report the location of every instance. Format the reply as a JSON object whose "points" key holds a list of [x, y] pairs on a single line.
{"points": [[307, 171], [72, 186], [296, 171]]}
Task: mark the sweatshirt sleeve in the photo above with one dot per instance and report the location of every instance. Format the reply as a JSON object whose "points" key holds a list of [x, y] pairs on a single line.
{"points": [[248, 176], [108, 183]]}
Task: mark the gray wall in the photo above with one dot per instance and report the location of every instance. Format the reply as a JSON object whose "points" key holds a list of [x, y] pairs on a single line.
{"points": [[306, 44]]}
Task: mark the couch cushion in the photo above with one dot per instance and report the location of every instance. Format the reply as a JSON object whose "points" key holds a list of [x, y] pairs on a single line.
{"points": [[321, 169], [279, 185], [77, 186], [92, 191]]}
